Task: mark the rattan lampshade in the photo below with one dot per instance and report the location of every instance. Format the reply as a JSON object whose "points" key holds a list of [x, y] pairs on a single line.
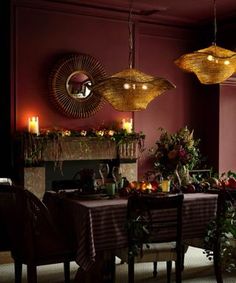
{"points": [[211, 65], [131, 89]]}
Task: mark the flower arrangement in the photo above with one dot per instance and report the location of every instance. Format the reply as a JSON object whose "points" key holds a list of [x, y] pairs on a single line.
{"points": [[177, 152]]}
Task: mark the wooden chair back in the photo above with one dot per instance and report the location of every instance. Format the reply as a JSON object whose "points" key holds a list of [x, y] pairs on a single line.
{"points": [[154, 219], [7, 215], [34, 237]]}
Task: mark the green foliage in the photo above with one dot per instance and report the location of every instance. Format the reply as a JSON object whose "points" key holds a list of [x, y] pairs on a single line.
{"points": [[138, 230], [176, 150], [227, 234], [34, 145]]}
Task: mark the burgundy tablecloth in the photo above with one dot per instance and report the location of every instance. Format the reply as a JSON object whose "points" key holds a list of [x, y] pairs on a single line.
{"points": [[100, 224]]}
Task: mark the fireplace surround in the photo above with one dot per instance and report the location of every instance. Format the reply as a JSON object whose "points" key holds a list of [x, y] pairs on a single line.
{"points": [[63, 159]]}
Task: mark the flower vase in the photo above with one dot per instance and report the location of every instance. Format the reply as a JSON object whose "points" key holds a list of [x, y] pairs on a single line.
{"points": [[177, 178], [181, 176]]}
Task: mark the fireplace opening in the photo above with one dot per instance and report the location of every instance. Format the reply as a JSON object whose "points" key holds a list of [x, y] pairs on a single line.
{"points": [[70, 170]]}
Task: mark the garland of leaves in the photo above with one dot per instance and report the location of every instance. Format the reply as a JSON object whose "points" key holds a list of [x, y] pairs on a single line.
{"points": [[35, 145]]}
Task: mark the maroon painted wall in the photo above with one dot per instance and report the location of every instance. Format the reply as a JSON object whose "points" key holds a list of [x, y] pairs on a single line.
{"points": [[43, 31], [41, 36], [227, 134], [158, 49]]}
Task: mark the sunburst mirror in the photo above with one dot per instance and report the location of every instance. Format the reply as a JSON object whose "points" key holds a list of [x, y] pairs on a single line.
{"points": [[71, 83]]}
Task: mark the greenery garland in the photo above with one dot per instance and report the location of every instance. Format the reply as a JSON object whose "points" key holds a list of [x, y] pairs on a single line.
{"points": [[34, 145]]}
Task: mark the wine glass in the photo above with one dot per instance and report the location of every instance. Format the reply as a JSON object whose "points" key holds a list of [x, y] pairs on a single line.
{"points": [[103, 171], [116, 174]]}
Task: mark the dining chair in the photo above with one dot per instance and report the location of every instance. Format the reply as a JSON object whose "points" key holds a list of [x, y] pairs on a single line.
{"points": [[5, 204], [154, 227], [225, 197], [34, 237]]}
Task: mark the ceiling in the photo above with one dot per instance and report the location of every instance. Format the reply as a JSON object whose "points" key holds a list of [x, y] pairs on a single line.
{"points": [[182, 12]]}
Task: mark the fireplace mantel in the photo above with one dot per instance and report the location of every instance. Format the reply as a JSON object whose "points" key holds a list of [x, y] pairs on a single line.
{"points": [[77, 148], [74, 149]]}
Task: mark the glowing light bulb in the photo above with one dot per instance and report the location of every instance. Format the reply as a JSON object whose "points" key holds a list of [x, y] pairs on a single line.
{"points": [[134, 86], [226, 62], [126, 86], [210, 58], [144, 87]]}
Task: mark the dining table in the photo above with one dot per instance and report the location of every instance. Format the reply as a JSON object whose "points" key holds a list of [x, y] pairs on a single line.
{"points": [[98, 227]]}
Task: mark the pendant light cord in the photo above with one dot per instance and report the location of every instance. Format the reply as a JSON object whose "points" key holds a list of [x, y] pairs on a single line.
{"points": [[215, 24], [131, 36]]}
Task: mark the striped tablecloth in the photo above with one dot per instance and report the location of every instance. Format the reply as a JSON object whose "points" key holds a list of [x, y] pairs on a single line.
{"points": [[100, 224]]}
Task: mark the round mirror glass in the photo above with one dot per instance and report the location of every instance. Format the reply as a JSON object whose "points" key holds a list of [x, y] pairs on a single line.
{"points": [[79, 85]]}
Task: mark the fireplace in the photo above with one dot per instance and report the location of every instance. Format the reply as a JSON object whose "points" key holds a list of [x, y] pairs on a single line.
{"points": [[78, 153]]}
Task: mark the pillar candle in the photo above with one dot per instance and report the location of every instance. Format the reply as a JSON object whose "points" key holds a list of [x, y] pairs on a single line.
{"points": [[33, 125], [127, 124]]}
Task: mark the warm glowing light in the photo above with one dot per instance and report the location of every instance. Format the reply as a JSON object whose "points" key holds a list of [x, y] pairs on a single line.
{"points": [[100, 133], [127, 124], [226, 62], [33, 125], [126, 86], [149, 186], [111, 133], [210, 58], [144, 87]]}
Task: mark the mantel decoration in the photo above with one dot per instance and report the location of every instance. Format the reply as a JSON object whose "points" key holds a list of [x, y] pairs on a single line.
{"points": [[175, 154], [131, 89], [71, 82], [35, 145], [211, 65]]}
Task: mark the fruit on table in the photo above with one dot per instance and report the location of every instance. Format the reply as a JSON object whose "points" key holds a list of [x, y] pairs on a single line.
{"points": [[232, 183], [189, 188], [155, 185], [133, 185], [214, 182]]}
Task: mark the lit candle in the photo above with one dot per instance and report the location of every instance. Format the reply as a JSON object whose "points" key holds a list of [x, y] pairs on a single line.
{"points": [[127, 124], [33, 125]]}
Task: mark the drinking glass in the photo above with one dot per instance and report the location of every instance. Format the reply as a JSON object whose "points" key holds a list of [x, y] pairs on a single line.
{"points": [[117, 176], [103, 171]]}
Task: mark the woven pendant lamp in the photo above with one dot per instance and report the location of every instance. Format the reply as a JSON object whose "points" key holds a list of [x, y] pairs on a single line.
{"points": [[131, 89], [211, 65]]}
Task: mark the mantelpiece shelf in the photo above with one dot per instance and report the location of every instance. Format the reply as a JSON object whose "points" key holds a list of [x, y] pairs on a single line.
{"points": [[73, 148], [78, 148]]}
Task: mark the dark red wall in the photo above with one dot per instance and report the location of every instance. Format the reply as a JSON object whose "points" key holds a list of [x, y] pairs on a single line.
{"points": [[42, 32], [41, 36], [227, 119]]}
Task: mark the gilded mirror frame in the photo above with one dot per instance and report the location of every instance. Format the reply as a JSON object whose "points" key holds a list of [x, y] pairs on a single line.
{"points": [[78, 103]]}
